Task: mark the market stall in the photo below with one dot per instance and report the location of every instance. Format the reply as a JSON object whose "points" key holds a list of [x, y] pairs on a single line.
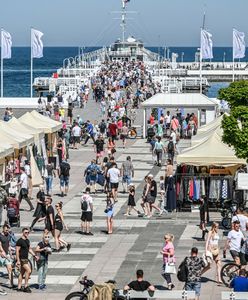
{"points": [[207, 170], [48, 144], [204, 108]]}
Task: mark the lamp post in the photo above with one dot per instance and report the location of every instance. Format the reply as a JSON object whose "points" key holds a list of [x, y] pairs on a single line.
{"points": [[224, 59]]}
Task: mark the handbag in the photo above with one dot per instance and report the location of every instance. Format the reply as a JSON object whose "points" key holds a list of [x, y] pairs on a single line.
{"points": [[170, 268]]}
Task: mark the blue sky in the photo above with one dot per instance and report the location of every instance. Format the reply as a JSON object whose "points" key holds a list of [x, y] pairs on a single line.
{"points": [[90, 22]]}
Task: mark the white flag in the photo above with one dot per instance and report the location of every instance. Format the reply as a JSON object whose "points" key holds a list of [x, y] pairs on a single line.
{"points": [[238, 44], [36, 43], [6, 43], [206, 45]]}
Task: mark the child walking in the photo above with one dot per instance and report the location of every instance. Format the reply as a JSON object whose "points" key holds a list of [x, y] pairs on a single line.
{"points": [[131, 201], [162, 203]]}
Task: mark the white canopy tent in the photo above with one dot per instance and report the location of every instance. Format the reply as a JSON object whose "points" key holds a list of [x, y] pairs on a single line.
{"points": [[204, 106], [17, 125], [211, 152]]}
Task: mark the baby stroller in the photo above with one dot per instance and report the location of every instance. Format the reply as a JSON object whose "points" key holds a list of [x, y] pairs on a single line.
{"points": [[13, 211]]}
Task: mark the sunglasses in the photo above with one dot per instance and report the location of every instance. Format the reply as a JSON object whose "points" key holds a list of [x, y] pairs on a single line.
{"points": [[26, 232]]}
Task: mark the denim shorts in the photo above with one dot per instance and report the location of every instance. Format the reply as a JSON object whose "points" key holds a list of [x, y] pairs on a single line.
{"points": [[193, 286], [127, 179], [64, 180]]}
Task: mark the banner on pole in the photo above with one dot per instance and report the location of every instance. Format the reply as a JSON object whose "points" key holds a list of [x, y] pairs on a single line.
{"points": [[238, 44], [206, 45], [6, 44], [36, 43]]}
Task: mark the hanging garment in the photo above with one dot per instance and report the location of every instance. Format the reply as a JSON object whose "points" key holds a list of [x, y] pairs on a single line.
{"points": [[197, 189], [171, 194], [203, 190]]}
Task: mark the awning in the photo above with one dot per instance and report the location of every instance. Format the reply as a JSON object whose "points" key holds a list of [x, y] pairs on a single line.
{"points": [[175, 100], [5, 150], [56, 125], [17, 125], [29, 119], [13, 137], [211, 152]]}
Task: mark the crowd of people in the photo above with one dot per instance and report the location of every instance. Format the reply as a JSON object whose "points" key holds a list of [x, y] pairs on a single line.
{"points": [[118, 89]]}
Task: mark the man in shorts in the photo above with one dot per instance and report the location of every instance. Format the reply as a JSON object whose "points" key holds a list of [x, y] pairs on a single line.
{"points": [[64, 176], [127, 172], [114, 174], [234, 239], [99, 148], [195, 265], [76, 133], [5, 252], [22, 250], [87, 212]]}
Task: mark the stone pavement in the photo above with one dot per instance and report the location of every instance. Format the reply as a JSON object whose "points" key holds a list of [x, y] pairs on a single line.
{"points": [[135, 243]]}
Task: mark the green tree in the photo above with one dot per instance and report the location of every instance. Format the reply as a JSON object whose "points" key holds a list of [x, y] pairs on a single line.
{"points": [[235, 126], [236, 94]]}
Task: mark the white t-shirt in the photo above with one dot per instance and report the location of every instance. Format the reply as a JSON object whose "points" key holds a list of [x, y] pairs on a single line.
{"points": [[235, 238], [27, 169], [174, 137], [114, 174], [76, 131], [121, 111], [242, 219], [88, 199], [24, 180]]}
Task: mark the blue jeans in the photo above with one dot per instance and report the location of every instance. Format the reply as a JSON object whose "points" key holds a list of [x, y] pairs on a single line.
{"points": [[193, 286], [49, 183], [126, 179], [42, 271]]}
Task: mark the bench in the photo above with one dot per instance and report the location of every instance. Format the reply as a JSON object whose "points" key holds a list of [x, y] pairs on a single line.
{"points": [[234, 295], [158, 294]]}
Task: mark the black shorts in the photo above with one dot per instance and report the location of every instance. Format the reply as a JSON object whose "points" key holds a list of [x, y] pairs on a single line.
{"points": [[76, 139], [243, 259], [234, 254], [86, 216], [114, 185]]}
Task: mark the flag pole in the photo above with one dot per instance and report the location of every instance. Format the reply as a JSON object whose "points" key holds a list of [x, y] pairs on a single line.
{"points": [[31, 66], [201, 64], [1, 63]]}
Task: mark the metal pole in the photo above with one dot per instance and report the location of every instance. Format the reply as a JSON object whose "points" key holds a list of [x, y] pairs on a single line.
{"points": [[31, 66], [233, 70], [201, 66], [1, 63]]}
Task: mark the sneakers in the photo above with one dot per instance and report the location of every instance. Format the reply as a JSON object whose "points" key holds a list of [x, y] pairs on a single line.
{"points": [[3, 292], [68, 247], [161, 212], [42, 287], [27, 290], [170, 286]]}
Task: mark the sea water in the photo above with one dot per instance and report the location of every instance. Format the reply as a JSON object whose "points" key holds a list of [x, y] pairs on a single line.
{"points": [[17, 69]]}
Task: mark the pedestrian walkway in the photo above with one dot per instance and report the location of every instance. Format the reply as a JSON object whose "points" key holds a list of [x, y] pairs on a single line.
{"points": [[135, 243]]}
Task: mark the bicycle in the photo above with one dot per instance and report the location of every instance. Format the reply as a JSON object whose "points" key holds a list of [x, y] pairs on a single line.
{"points": [[87, 285], [228, 272]]}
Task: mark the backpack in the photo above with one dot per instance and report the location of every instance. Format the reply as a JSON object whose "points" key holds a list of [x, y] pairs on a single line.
{"points": [[182, 273], [93, 171], [84, 204], [102, 127], [65, 169], [170, 147], [11, 212]]}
